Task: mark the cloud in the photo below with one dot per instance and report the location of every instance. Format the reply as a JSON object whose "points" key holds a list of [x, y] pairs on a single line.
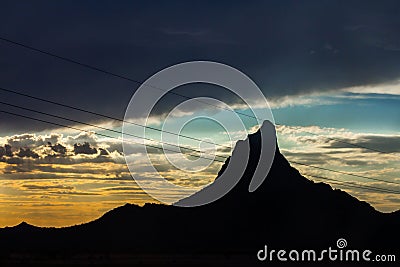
{"points": [[30, 140], [5, 151], [112, 146], [84, 148], [76, 193], [83, 137], [27, 153], [103, 152], [131, 189], [36, 149], [58, 148], [331, 149], [392, 88], [389, 144], [13, 160], [46, 187], [332, 138], [307, 157], [352, 47]]}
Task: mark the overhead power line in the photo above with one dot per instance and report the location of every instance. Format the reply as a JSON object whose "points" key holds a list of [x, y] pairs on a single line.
{"points": [[149, 127], [351, 184], [100, 134], [105, 116], [335, 181], [348, 143], [137, 81], [106, 129], [348, 184], [104, 135], [345, 173]]}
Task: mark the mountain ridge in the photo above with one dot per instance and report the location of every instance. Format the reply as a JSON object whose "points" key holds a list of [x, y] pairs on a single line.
{"points": [[287, 210]]}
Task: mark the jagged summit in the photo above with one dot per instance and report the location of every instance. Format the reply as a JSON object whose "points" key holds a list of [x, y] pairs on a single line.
{"points": [[282, 181]]}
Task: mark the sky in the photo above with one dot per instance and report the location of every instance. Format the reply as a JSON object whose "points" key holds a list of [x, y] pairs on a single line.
{"points": [[329, 71]]}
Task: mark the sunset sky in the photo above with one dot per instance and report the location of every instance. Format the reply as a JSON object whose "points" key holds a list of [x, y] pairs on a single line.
{"points": [[330, 71]]}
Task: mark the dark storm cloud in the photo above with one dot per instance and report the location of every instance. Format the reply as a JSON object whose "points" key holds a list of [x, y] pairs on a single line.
{"points": [[84, 148], [58, 148], [5, 151], [390, 144], [27, 153], [103, 152], [287, 47], [12, 160]]}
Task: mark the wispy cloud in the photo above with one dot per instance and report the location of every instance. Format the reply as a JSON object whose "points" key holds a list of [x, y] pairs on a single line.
{"points": [[337, 149]]}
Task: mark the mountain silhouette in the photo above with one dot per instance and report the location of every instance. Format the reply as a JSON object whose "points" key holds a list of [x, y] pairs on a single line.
{"points": [[288, 211]]}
